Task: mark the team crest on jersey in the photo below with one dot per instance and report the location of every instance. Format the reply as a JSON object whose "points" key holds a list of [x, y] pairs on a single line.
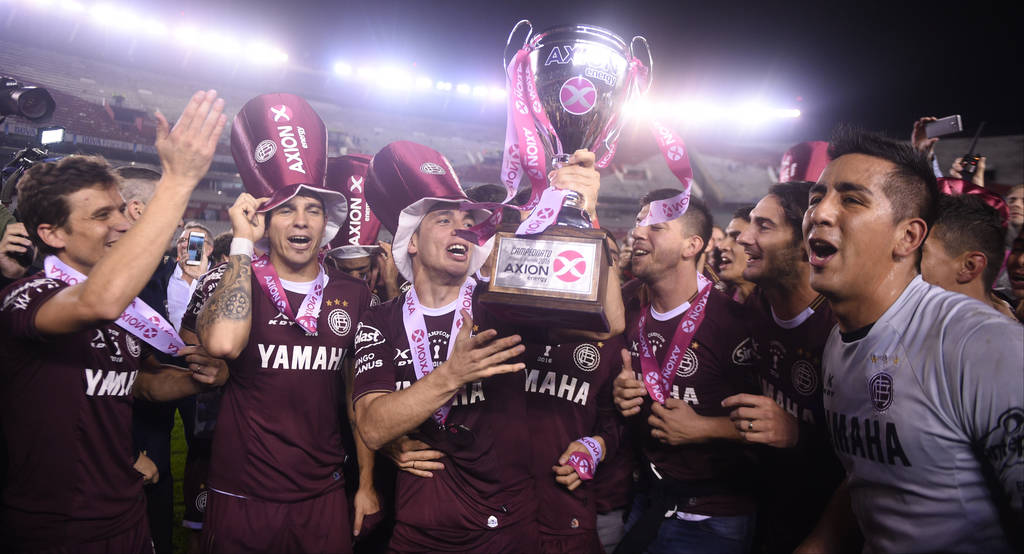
{"points": [[880, 390], [340, 322], [374, 299], [587, 357], [805, 379], [744, 353], [201, 501], [687, 367], [133, 346]]}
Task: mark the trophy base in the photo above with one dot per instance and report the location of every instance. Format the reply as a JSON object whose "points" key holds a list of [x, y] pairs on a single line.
{"points": [[555, 279]]}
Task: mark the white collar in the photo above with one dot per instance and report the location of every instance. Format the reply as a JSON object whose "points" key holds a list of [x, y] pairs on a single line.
{"points": [[674, 312], [792, 323]]}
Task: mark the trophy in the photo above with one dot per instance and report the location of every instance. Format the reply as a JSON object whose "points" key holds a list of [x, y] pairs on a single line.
{"points": [[568, 87]]}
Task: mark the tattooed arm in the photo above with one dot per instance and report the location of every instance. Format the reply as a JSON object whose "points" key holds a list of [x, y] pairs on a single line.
{"points": [[225, 319]]}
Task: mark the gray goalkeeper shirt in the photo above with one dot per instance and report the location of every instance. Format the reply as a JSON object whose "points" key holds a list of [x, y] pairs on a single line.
{"points": [[920, 410]]}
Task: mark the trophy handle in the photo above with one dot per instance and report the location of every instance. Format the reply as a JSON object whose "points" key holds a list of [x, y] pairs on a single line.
{"points": [[650, 59], [508, 43]]}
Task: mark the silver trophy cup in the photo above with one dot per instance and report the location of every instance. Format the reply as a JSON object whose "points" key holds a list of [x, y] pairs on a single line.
{"points": [[583, 82]]}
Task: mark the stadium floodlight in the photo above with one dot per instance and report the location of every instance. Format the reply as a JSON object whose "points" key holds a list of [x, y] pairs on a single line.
{"points": [[154, 28], [266, 54], [42, 3], [498, 93], [222, 44], [480, 91], [51, 135], [343, 69], [366, 73], [394, 78], [443, 86], [72, 6], [187, 35], [424, 83], [463, 88]]}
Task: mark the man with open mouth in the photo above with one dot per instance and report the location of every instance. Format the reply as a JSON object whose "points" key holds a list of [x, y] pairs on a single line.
{"points": [[78, 345], [923, 388], [791, 322], [689, 349], [276, 477], [734, 258]]}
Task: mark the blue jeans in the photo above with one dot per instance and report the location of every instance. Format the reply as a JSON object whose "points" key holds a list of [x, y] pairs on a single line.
{"points": [[715, 535]]}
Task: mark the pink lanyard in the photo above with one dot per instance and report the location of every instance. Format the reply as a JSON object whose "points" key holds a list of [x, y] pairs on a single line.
{"points": [[139, 318], [309, 310], [419, 341], [658, 381]]}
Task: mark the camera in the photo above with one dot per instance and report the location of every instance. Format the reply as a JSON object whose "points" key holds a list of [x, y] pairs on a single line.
{"points": [[31, 103]]}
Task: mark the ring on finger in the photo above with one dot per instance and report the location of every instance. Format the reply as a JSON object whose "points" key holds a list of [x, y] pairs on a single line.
{"points": [[750, 425]]}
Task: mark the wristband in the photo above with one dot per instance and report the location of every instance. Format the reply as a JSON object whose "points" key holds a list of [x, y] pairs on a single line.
{"points": [[585, 463], [242, 247]]}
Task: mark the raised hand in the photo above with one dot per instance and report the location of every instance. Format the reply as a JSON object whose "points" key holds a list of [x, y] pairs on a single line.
{"points": [[581, 176], [629, 392], [246, 222], [186, 151], [479, 356]]}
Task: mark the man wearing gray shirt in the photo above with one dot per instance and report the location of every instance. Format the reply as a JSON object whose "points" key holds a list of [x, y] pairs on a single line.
{"points": [[923, 388]]}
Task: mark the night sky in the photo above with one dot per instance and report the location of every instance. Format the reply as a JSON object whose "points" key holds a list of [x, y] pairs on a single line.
{"points": [[878, 65]]}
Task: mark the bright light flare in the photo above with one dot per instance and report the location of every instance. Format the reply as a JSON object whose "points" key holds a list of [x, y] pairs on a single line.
{"points": [[394, 78], [266, 54], [444, 86], [70, 6], [498, 93], [366, 73], [480, 91], [424, 83], [463, 88], [343, 69]]}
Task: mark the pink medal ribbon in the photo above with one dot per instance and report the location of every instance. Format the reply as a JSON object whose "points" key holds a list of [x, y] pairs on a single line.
{"points": [[419, 341], [309, 310], [585, 463], [139, 318], [658, 380]]}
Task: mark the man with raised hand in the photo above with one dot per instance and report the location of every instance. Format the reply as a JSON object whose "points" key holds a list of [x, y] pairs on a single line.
{"points": [[688, 344], [791, 321], [285, 323], [924, 392], [429, 366], [73, 341]]}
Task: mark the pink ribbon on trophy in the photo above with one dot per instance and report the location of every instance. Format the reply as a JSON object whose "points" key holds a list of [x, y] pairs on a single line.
{"points": [[419, 341], [658, 380], [309, 310], [139, 318]]}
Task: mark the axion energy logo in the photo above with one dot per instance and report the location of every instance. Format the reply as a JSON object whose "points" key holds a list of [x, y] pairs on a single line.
{"points": [[578, 95], [569, 266]]}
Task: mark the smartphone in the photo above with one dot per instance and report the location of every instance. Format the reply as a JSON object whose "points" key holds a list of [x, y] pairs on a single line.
{"points": [[195, 248], [943, 127]]}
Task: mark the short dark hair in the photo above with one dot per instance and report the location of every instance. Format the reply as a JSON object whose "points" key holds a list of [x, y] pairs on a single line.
{"points": [[793, 197], [911, 187], [44, 188], [696, 220], [221, 245], [743, 212], [965, 223], [137, 183]]}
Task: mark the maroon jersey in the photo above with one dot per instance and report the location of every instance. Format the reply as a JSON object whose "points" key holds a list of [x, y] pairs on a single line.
{"points": [[714, 367], [569, 395], [486, 484], [278, 434], [797, 482], [67, 421]]}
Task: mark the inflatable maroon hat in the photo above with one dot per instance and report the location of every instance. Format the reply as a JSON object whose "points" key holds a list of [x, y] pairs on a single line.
{"points": [[279, 144], [804, 162], [358, 238], [404, 181]]}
